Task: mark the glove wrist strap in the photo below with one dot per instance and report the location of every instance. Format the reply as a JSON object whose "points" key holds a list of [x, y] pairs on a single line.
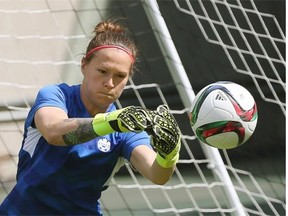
{"points": [[166, 163], [106, 123]]}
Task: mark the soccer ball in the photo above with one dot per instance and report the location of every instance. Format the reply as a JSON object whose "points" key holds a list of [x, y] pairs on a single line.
{"points": [[223, 115]]}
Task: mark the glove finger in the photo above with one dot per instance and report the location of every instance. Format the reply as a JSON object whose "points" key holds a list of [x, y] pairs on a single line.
{"points": [[162, 109], [164, 134], [125, 118], [135, 118], [139, 119], [165, 140], [166, 125], [157, 146], [145, 113]]}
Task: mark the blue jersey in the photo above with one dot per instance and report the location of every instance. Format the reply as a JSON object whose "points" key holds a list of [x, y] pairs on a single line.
{"points": [[56, 180]]}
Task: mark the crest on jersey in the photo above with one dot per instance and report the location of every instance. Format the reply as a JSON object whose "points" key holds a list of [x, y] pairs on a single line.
{"points": [[104, 145]]}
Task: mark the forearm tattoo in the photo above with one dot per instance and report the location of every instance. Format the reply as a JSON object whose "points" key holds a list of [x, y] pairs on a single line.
{"points": [[82, 134]]}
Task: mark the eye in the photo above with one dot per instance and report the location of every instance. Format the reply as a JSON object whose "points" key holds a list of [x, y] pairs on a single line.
{"points": [[121, 75], [102, 71]]}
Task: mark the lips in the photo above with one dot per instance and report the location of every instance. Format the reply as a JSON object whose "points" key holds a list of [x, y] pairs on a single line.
{"points": [[107, 94]]}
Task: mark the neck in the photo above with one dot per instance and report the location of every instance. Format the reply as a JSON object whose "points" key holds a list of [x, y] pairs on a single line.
{"points": [[91, 107]]}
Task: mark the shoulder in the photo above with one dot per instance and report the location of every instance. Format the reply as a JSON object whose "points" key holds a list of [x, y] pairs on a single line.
{"points": [[49, 90], [53, 95], [68, 88], [63, 87], [59, 91]]}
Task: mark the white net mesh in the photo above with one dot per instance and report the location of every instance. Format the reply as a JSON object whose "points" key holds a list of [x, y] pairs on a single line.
{"points": [[253, 41]]}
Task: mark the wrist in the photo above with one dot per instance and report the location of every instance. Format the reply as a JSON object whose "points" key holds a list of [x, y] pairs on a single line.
{"points": [[106, 123], [100, 125], [167, 163]]}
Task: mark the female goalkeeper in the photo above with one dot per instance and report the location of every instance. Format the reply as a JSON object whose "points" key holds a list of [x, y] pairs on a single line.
{"points": [[75, 139]]}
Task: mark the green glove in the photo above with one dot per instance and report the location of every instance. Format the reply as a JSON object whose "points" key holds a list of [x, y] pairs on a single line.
{"points": [[131, 118], [165, 136]]}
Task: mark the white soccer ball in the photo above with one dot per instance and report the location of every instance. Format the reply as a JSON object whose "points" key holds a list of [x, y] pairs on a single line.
{"points": [[223, 115]]}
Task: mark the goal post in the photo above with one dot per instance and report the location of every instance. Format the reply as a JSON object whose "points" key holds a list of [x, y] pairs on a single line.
{"points": [[186, 92]]}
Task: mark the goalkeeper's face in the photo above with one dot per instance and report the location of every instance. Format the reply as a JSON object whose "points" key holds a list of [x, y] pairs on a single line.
{"points": [[105, 77]]}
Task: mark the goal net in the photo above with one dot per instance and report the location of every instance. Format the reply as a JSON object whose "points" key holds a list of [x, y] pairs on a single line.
{"points": [[42, 42]]}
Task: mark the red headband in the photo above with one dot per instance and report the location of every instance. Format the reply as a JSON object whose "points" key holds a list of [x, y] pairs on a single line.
{"points": [[111, 46]]}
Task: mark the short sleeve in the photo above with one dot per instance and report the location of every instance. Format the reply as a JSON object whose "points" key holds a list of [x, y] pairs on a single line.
{"points": [[51, 96], [132, 140]]}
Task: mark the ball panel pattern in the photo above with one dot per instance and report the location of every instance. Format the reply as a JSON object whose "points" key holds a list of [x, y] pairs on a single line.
{"points": [[223, 115]]}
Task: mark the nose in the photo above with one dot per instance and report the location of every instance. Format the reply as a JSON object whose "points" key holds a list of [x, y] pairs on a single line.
{"points": [[109, 83]]}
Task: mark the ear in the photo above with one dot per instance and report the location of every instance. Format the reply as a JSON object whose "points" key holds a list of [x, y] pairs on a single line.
{"points": [[83, 65]]}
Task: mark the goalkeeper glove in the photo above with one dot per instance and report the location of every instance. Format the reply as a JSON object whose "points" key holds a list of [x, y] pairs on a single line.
{"points": [[131, 118], [165, 136]]}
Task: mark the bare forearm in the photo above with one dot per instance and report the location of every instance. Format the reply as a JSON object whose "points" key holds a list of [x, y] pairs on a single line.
{"points": [[82, 133], [161, 175], [71, 131], [143, 159], [60, 130]]}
